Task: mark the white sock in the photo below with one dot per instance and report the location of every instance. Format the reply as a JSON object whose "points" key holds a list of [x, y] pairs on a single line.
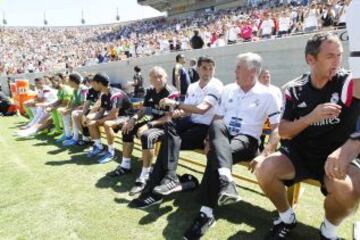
{"points": [[33, 110], [75, 130], [288, 216], [111, 149], [328, 229], [208, 211], [227, 173], [145, 171], [98, 143], [36, 117], [126, 163], [85, 138], [43, 115], [67, 127]]}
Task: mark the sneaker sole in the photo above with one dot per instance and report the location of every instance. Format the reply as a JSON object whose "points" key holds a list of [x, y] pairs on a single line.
{"points": [[152, 204], [211, 226], [225, 199], [135, 192], [177, 189]]}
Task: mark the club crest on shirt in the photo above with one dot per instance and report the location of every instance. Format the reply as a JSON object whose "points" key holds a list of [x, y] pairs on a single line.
{"points": [[334, 98]]}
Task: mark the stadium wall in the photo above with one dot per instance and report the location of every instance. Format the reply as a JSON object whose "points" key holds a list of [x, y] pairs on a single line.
{"points": [[284, 57]]}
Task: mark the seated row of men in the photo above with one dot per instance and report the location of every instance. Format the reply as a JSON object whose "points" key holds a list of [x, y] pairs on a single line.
{"points": [[319, 114]]}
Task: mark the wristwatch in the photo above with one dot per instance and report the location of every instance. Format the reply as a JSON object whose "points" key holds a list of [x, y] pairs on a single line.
{"points": [[355, 136], [149, 125]]}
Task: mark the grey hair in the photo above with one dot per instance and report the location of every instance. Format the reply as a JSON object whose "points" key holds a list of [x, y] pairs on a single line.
{"points": [[157, 70], [252, 60]]}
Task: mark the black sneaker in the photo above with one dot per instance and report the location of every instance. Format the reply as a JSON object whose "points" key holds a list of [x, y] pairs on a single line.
{"points": [[322, 237], [168, 186], [279, 230], [201, 224], [138, 187], [143, 202], [228, 193], [119, 171]]}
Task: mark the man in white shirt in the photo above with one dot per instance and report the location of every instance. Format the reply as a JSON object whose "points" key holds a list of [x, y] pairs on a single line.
{"points": [[265, 79], [266, 27], [311, 21], [234, 137], [284, 24], [187, 131], [232, 34], [45, 96]]}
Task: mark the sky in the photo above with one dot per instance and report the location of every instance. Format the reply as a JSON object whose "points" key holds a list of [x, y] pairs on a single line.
{"points": [[68, 12]]}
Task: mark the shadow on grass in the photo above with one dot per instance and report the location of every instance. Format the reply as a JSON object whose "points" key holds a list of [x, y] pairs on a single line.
{"points": [[261, 220], [243, 213], [75, 159], [126, 182]]}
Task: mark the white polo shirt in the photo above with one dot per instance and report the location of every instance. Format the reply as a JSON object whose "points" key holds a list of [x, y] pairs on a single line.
{"points": [[245, 113], [211, 94], [277, 93]]}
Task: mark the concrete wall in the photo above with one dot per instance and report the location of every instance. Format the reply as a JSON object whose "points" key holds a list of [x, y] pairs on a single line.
{"points": [[284, 58]]}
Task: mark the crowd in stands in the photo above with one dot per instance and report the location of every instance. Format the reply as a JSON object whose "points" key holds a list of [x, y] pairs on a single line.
{"points": [[26, 50]]}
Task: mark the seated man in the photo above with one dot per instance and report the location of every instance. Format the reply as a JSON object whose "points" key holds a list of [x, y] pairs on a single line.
{"points": [[58, 81], [76, 103], [233, 137], [113, 103], [320, 113], [186, 131], [149, 131], [29, 105], [45, 97], [78, 116], [64, 96]]}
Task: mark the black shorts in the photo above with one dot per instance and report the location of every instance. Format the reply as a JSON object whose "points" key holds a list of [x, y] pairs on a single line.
{"points": [[307, 166]]}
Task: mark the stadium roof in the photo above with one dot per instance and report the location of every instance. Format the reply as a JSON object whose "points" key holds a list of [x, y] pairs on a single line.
{"points": [[174, 7]]}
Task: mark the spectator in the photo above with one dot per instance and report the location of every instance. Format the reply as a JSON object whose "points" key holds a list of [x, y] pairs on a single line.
{"points": [[196, 41], [246, 31], [138, 83], [193, 74], [180, 76], [311, 18], [284, 24], [266, 27], [232, 34]]}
